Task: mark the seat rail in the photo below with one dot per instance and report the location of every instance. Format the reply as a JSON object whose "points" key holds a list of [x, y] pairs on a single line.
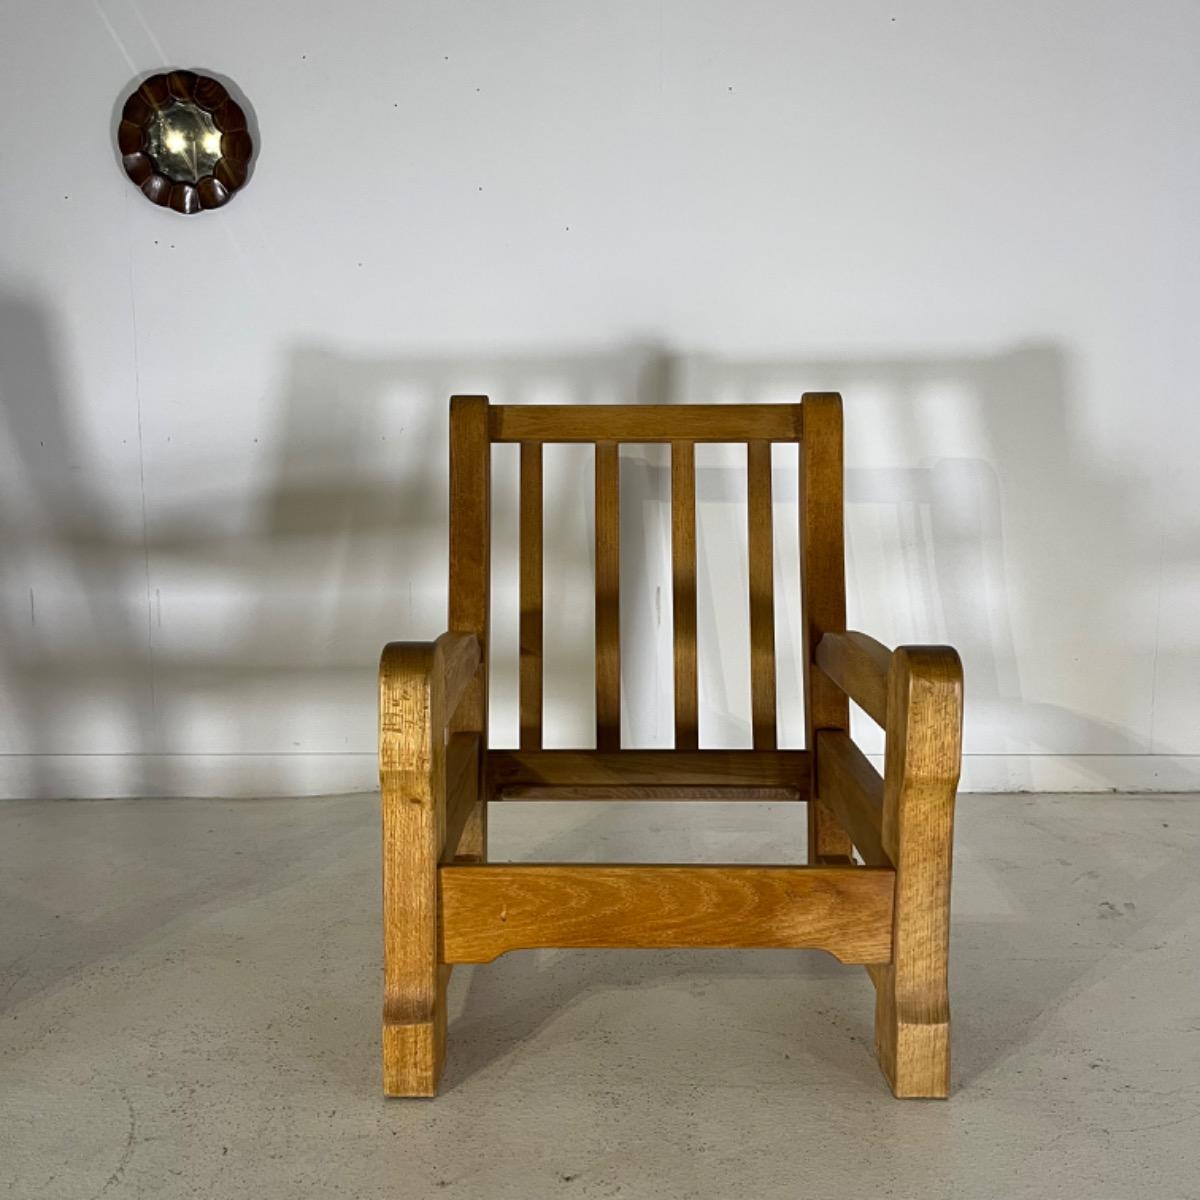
{"points": [[649, 774]]}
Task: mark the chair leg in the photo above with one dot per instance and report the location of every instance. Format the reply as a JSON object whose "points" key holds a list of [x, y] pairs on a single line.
{"points": [[414, 1012], [924, 750], [412, 788], [912, 1031], [414, 1052]]}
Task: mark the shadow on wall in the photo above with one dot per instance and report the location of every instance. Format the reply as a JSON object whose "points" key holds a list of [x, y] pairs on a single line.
{"points": [[237, 639], [75, 664]]}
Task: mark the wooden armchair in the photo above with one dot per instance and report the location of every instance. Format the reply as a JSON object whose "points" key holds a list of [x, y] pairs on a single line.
{"points": [[443, 904]]}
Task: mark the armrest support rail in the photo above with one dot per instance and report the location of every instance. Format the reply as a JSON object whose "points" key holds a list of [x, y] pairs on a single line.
{"points": [[915, 693], [859, 665]]}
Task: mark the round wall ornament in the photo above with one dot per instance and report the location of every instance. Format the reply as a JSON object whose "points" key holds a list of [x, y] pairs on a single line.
{"points": [[184, 141]]}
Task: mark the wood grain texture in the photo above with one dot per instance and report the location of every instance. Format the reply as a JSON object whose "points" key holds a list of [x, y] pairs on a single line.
{"points": [[488, 911], [683, 593], [410, 773], [608, 597], [921, 770], [851, 788], [459, 658], [530, 633], [691, 792], [859, 665], [761, 555], [644, 422], [470, 575], [590, 774], [472, 841], [823, 591], [463, 792], [420, 683], [442, 904], [470, 516]]}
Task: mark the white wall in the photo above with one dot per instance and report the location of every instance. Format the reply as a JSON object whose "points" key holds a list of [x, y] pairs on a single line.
{"points": [[222, 449]]}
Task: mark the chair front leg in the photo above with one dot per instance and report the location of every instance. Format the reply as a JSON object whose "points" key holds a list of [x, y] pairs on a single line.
{"points": [[411, 772], [921, 770]]}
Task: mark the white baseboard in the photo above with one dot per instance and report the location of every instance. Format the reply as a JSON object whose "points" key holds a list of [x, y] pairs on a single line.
{"points": [[91, 776], [1077, 772]]}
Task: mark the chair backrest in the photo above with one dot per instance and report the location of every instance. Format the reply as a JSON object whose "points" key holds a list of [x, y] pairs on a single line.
{"points": [[814, 426]]}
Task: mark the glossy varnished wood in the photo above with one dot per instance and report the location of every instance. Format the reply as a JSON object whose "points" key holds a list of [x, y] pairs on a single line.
{"points": [[470, 577], [859, 665], [410, 775], [463, 791], [487, 911], [644, 422], [608, 597], [683, 593], [823, 592], [442, 904], [921, 769], [470, 516], [761, 543], [420, 685], [530, 633], [852, 790], [638, 774]]}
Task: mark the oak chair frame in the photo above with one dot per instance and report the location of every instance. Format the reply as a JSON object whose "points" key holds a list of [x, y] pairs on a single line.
{"points": [[444, 904]]}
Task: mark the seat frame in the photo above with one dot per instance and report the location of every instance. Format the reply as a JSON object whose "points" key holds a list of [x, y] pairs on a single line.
{"points": [[886, 907]]}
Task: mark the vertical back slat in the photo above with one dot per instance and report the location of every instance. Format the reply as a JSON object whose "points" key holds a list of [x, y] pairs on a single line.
{"points": [[608, 603], [531, 596], [683, 592], [822, 591], [762, 594]]}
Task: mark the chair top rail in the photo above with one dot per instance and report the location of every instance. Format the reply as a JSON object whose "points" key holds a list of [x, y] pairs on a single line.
{"points": [[644, 422]]}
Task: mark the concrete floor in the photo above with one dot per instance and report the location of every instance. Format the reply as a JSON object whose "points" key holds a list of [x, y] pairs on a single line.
{"points": [[189, 996]]}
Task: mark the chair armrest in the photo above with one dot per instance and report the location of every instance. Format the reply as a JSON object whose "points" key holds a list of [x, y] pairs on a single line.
{"points": [[863, 667], [925, 717], [420, 686], [916, 694], [430, 766]]}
